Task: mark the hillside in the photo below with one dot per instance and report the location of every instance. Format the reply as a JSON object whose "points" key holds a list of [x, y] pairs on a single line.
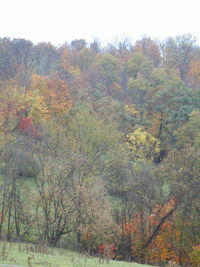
{"points": [[100, 147]]}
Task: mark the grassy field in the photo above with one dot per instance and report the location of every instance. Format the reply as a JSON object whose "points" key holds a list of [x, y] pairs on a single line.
{"points": [[31, 255]]}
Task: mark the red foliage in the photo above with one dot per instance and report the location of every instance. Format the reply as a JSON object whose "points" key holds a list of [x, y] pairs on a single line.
{"points": [[26, 127], [109, 249], [101, 249], [164, 244], [112, 250]]}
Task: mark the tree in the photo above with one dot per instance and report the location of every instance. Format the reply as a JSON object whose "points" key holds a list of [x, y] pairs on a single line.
{"points": [[89, 148], [45, 58], [188, 133], [54, 209], [17, 218], [136, 190], [54, 93], [193, 73], [83, 59], [95, 46], [149, 48], [77, 45], [70, 161], [143, 145], [8, 64], [108, 66], [173, 104], [178, 53]]}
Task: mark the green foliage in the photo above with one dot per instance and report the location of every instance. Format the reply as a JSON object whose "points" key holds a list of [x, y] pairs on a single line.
{"points": [[174, 105], [138, 64], [89, 135], [84, 58], [188, 133], [102, 144], [108, 66]]}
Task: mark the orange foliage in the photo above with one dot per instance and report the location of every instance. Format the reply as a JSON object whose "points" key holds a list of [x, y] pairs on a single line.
{"points": [[44, 98], [58, 97], [194, 73], [162, 248], [55, 93], [65, 59], [155, 122], [149, 48], [142, 226]]}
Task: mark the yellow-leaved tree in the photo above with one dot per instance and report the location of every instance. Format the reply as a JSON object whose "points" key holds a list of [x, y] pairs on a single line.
{"points": [[143, 145], [54, 92]]}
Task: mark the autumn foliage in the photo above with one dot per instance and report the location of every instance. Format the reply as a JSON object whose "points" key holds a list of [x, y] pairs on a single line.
{"points": [[26, 127], [107, 140]]}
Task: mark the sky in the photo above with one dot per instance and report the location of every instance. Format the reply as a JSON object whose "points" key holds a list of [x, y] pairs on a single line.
{"points": [[60, 21]]}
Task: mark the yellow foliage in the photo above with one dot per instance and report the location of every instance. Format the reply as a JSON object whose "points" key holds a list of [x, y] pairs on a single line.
{"points": [[74, 71], [65, 57], [52, 94], [38, 110], [131, 110], [143, 145], [39, 83], [116, 86], [195, 255]]}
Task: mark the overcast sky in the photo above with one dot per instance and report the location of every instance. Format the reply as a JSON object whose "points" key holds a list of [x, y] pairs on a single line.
{"points": [[58, 21]]}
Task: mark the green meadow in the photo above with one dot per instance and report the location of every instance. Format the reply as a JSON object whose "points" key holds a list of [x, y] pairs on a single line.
{"points": [[30, 255]]}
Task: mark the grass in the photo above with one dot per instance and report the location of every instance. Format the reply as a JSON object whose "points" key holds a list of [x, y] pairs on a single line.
{"points": [[18, 254]]}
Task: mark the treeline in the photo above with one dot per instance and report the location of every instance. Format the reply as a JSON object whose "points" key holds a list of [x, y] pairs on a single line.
{"points": [[102, 145]]}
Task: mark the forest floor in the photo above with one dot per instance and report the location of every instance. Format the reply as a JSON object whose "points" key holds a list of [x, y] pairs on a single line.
{"points": [[25, 255]]}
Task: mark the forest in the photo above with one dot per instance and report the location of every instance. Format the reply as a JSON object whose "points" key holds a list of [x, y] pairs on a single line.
{"points": [[101, 145]]}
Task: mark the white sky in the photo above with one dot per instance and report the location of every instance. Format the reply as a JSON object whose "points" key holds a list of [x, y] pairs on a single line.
{"points": [[58, 21]]}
